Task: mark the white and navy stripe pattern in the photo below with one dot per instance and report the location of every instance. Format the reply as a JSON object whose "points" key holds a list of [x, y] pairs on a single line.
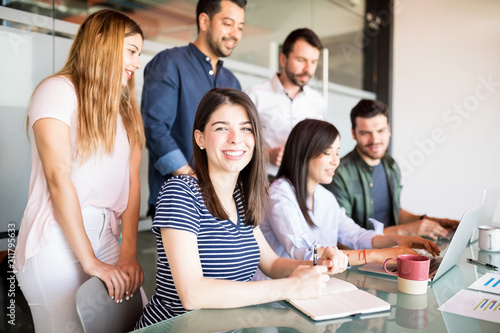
{"points": [[227, 251]]}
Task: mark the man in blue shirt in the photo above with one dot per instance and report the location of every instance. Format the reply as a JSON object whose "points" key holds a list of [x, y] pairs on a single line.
{"points": [[175, 81]]}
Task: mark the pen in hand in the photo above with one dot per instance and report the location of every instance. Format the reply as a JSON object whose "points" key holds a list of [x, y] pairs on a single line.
{"points": [[481, 263], [315, 255]]}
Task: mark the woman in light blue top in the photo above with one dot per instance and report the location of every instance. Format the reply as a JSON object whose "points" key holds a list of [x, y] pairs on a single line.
{"points": [[302, 214]]}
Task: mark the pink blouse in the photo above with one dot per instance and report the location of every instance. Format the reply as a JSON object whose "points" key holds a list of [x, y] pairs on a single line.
{"points": [[100, 181]]}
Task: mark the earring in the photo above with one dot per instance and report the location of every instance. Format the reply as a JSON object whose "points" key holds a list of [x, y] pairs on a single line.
{"points": [[201, 148]]}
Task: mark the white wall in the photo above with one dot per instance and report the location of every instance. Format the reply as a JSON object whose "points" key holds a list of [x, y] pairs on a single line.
{"points": [[446, 102]]}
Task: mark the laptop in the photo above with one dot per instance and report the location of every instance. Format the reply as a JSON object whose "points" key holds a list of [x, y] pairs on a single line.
{"points": [[491, 211], [440, 265]]}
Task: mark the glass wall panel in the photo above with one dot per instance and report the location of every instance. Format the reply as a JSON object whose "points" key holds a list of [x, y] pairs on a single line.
{"points": [[35, 37], [339, 24], [27, 56]]}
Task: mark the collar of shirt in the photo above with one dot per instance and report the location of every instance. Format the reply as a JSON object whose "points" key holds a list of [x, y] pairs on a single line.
{"points": [[204, 59], [278, 87]]}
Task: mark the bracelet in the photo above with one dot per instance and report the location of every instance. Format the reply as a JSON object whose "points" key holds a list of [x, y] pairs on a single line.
{"points": [[364, 254]]}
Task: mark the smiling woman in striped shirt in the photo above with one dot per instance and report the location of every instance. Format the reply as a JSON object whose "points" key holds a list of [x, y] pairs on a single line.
{"points": [[206, 224]]}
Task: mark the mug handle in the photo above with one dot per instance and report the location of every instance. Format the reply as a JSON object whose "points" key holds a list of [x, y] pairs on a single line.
{"points": [[385, 265]]}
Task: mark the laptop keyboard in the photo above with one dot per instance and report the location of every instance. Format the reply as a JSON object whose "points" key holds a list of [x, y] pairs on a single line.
{"points": [[435, 261], [434, 264]]}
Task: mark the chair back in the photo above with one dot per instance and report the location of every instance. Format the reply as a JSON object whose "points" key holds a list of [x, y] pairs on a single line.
{"points": [[99, 313]]}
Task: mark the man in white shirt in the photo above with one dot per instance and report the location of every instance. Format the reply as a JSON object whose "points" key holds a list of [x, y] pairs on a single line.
{"points": [[285, 99]]}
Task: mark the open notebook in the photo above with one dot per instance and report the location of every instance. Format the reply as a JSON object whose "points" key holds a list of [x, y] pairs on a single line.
{"points": [[340, 299]]}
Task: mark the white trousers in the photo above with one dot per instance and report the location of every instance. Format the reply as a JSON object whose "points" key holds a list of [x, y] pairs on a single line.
{"points": [[50, 279]]}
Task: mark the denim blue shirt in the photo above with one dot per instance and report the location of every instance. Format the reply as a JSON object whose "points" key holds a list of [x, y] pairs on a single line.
{"points": [[175, 81]]}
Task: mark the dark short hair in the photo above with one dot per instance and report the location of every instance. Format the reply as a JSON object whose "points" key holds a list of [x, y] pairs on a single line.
{"points": [[252, 180], [368, 108], [303, 33], [212, 7], [307, 140]]}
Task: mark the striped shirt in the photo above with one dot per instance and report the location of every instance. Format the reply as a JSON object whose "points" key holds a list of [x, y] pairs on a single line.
{"points": [[227, 251]]}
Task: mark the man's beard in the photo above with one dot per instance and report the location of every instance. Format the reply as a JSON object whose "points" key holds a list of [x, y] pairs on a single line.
{"points": [[218, 50], [294, 78], [374, 156]]}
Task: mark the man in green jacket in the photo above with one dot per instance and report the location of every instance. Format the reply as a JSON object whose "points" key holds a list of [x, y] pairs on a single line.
{"points": [[368, 181]]}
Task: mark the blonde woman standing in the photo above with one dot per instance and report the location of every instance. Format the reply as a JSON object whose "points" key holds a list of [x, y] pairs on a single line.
{"points": [[86, 136]]}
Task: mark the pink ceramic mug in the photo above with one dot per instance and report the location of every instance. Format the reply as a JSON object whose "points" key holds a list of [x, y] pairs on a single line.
{"points": [[412, 273], [411, 267]]}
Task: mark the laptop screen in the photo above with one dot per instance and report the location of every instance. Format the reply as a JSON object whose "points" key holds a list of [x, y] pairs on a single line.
{"points": [[452, 253]]}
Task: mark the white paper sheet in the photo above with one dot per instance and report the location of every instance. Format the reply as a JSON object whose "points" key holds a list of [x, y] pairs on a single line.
{"points": [[474, 304], [488, 282]]}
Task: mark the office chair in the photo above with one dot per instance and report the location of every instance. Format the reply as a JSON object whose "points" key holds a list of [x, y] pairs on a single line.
{"points": [[99, 313]]}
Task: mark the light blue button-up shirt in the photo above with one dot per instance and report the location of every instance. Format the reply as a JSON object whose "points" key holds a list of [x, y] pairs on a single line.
{"points": [[289, 234]]}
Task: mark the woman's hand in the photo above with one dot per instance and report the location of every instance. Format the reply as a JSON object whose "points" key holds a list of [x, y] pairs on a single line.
{"points": [[115, 278], [133, 269], [334, 259], [308, 281], [380, 255], [416, 242]]}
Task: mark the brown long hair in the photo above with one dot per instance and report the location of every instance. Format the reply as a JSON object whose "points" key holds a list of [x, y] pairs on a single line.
{"points": [[307, 140], [95, 66], [252, 180]]}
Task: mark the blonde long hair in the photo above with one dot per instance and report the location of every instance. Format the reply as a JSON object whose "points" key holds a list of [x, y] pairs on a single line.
{"points": [[95, 66]]}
